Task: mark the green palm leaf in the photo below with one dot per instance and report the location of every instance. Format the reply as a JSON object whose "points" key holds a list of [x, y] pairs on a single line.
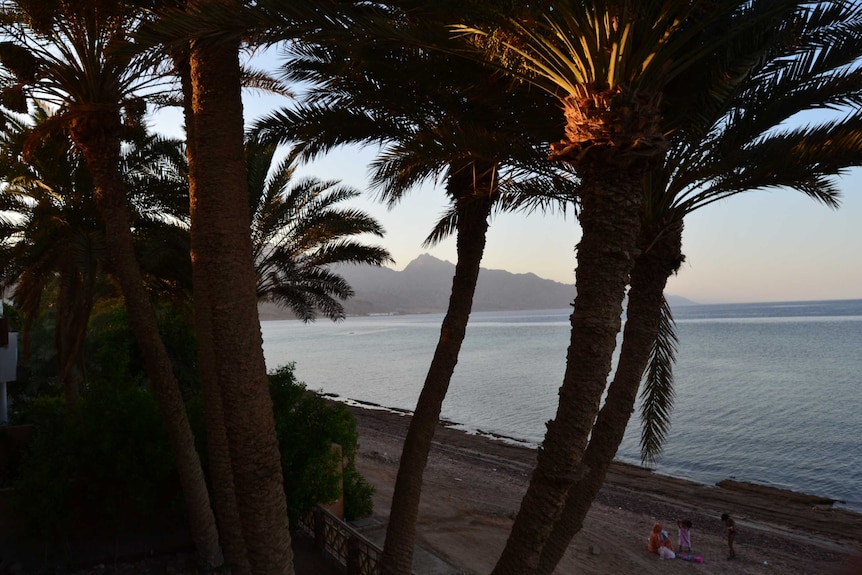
{"points": [[750, 136], [658, 392], [300, 233]]}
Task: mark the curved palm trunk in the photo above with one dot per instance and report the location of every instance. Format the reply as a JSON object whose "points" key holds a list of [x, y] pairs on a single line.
{"points": [[649, 278], [609, 220], [472, 227], [612, 140], [96, 133], [218, 453], [222, 261]]}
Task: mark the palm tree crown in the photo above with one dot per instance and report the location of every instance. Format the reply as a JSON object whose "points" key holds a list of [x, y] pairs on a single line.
{"points": [[52, 237], [299, 233], [62, 53], [612, 65], [753, 139]]}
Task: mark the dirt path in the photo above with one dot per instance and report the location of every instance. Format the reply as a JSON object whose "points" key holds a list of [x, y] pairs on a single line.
{"points": [[473, 487]]}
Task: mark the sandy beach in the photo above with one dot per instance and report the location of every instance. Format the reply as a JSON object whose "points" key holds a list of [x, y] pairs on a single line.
{"points": [[473, 487]]}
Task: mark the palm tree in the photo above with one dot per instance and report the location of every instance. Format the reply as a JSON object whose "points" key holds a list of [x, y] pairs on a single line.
{"points": [[236, 387], [610, 64], [195, 34], [202, 39], [737, 144], [435, 116], [68, 53], [299, 233], [57, 235], [54, 237]]}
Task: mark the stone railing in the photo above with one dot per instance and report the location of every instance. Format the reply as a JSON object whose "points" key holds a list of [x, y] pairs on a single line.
{"points": [[335, 538]]}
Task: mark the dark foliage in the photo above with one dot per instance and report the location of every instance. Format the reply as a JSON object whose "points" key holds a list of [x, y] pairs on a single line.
{"points": [[308, 425]]}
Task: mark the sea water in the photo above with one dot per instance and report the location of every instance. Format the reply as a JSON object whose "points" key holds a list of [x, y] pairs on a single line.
{"points": [[769, 393]]}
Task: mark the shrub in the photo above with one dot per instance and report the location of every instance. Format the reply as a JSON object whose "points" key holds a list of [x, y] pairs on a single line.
{"points": [[42, 489], [111, 455], [307, 425], [358, 495], [123, 457]]}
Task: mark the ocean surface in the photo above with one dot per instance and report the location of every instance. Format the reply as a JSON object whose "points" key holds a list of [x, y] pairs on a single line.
{"points": [[768, 392]]}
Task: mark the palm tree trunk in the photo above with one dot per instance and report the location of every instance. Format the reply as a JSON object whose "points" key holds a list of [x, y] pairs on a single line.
{"points": [[218, 452], [610, 220], [75, 303], [222, 260], [649, 278], [472, 226], [96, 133]]}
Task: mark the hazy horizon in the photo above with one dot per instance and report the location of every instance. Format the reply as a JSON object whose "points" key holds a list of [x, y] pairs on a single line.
{"points": [[667, 291]]}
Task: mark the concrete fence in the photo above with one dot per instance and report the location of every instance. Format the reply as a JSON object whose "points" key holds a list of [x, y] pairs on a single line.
{"points": [[340, 541]]}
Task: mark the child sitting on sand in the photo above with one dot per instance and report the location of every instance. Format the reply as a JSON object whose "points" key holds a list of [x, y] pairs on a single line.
{"points": [[684, 526], [660, 543]]}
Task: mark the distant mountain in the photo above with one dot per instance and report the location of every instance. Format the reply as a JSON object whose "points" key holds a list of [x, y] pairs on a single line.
{"points": [[424, 286]]}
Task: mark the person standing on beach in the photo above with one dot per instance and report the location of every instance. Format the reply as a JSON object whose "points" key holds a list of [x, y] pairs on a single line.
{"points": [[684, 526], [730, 529]]}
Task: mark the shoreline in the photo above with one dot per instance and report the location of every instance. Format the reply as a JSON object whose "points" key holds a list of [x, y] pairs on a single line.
{"points": [[729, 483], [473, 485]]}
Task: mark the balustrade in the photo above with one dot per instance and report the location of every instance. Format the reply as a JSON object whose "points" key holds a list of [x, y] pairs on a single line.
{"points": [[340, 541]]}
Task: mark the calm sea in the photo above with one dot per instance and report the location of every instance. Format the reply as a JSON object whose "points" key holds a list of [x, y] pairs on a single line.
{"points": [[767, 392]]}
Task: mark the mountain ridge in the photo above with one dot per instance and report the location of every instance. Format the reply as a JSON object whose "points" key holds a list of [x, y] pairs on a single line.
{"points": [[424, 286]]}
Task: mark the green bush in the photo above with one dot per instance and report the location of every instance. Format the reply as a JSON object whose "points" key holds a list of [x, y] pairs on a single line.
{"points": [[111, 455], [43, 488], [358, 495], [307, 425], [112, 350], [123, 457]]}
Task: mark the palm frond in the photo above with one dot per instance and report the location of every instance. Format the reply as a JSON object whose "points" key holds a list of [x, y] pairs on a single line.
{"points": [[642, 45], [745, 139], [444, 227], [658, 392], [549, 193], [262, 81], [805, 159], [315, 130], [318, 289], [300, 230]]}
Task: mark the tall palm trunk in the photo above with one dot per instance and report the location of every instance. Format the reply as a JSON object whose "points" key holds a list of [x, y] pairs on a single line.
{"points": [[222, 262], [96, 133], [75, 303], [472, 226], [610, 222], [649, 277], [218, 453], [601, 283]]}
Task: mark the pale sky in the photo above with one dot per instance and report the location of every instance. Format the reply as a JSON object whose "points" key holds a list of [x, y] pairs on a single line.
{"points": [[755, 247], [758, 246]]}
